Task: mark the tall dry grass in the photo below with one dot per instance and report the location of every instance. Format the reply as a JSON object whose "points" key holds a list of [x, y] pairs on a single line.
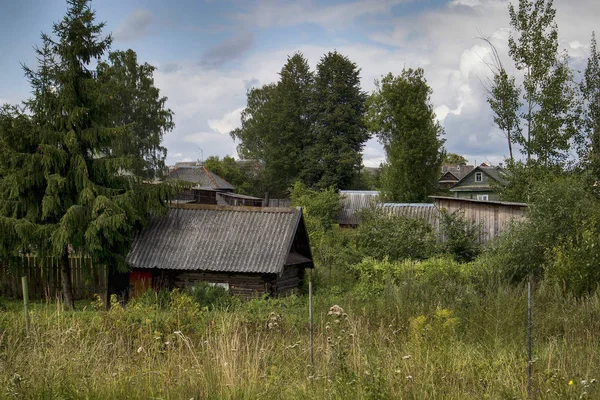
{"points": [[411, 341]]}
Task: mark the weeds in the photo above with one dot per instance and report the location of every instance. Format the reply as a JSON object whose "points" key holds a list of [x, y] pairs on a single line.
{"points": [[409, 340]]}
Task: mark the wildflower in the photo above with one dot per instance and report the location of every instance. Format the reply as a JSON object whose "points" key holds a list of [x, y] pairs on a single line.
{"points": [[139, 350], [336, 310], [398, 371], [409, 378], [406, 357], [571, 383]]}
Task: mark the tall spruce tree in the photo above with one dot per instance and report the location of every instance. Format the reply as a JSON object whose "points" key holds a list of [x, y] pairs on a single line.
{"points": [[551, 113], [276, 123], [64, 187], [338, 131], [401, 114]]}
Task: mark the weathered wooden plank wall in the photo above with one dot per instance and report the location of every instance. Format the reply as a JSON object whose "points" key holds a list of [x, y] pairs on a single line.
{"points": [[44, 278], [494, 217]]}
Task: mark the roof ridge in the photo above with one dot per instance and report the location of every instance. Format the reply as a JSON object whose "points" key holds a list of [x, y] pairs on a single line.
{"points": [[210, 176], [216, 207]]}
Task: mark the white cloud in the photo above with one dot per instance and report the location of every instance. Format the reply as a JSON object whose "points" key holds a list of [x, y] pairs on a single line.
{"points": [[135, 26], [228, 122], [443, 41]]}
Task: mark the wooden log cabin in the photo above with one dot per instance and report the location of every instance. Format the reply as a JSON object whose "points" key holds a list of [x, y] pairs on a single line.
{"points": [[249, 251]]}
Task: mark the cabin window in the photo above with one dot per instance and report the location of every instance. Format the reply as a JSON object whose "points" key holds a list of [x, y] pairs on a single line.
{"points": [[478, 177], [482, 197]]}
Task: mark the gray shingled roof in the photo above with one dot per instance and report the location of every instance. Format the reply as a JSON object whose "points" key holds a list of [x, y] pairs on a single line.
{"points": [[200, 175], [217, 239], [459, 171]]}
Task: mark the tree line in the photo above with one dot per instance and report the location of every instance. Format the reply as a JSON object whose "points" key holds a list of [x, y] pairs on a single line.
{"points": [[311, 127], [551, 118]]}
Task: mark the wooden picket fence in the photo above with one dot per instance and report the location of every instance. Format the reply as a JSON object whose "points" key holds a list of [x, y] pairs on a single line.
{"points": [[43, 274]]}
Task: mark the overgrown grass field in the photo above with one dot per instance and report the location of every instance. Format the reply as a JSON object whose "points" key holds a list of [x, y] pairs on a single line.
{"points": [[408, 331]]}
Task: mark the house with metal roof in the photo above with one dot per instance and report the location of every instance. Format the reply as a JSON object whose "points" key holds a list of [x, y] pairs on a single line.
{"points": [[248, 250], [479, 184]]}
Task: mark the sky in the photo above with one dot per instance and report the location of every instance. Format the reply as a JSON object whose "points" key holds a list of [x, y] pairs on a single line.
{"points": [[208, 53]]}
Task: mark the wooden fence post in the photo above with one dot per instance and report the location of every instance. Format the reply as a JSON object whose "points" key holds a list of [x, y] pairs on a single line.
{"points": [[529, 334], [25, 302], [310, 317]]}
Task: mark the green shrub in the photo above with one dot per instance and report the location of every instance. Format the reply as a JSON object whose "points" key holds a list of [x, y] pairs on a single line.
{"points": [[460, 237], [558, 241], [395, 236], [209, 296]]}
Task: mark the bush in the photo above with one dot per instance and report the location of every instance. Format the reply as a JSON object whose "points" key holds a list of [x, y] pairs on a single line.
{"points": [[460, 237], [395, 236], [209, 296], [558, 241]]}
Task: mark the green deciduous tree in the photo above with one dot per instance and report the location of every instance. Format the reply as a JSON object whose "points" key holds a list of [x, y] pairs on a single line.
{"points": [[229, 169], [503, 99], [69, 182], [401, 114], [130, 95], [590, 87], [338, 133], [551, 113], [276, 124], [454, 159]]}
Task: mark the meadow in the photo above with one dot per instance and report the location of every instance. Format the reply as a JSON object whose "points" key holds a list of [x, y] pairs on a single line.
{"points": [[414, 330]]}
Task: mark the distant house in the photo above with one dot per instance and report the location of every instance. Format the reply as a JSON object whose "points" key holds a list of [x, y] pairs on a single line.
{"points": [[249, 251], [209, 187], [479, 183], [200, 176], [452, 173]]}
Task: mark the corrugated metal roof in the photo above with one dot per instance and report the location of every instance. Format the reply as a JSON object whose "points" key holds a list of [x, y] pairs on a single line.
{"points": [[217, 239], [353, 201], [200, 175], [426, 211]]}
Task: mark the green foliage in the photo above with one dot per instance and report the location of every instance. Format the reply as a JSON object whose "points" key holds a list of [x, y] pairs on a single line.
{"points": [[395, 237], [557, 241], [338, 132], [460, 236], [428, 334], [522, 178], [276, 124], [128, 91], [210, 296], [454, 159], [321, 208], [75, 162], [504, 101], [552, 111], [228, 169], [589, 144], [401, 114]]}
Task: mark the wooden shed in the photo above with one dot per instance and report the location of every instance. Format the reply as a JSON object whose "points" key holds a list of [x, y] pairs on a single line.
{"points": [[494, 216], [249, 251]]}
